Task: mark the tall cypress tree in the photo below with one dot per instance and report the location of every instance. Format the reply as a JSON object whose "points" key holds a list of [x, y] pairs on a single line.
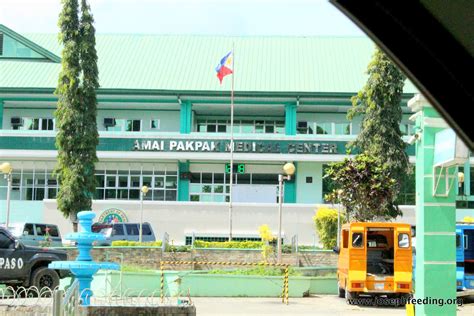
{"points": [[77, 135], [90, 84], [379, 103]]}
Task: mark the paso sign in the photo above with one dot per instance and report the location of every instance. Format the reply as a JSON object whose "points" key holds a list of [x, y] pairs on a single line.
{"points": [[112, 215], [280, 147]]}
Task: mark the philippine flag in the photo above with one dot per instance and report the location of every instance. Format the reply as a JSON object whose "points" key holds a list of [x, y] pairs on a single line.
{"points": [[224, 68]]}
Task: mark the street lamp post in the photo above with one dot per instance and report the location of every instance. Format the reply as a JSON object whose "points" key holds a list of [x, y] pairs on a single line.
{"points": [[289, 170], [6, 169], [143, 192]]}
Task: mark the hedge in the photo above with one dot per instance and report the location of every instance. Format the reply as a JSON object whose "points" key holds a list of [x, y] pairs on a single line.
{"points": [[228, 244], [126, 243]]}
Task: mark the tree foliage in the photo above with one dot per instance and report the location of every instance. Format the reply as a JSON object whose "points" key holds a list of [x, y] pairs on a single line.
{"points": [[325, 221], [76, 112], [379, 103], [365, 188]]}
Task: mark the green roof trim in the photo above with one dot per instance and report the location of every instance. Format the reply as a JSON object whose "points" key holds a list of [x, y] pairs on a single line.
{"points": [[29, 44]]}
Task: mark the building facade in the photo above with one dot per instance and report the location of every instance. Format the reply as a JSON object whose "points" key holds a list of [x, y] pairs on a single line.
{"points": [[164, 122]]}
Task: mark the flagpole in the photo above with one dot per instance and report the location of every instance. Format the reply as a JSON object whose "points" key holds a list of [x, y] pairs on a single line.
{"points": [[231, 143]]}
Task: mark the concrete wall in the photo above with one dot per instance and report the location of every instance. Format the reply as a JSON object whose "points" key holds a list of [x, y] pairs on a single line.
{"points": [[149, 258], [22, 211], [182, 218]]}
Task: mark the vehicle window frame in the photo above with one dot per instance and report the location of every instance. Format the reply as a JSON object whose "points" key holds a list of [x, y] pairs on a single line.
{"points": [[458, 241], [114, 228], [8, 238], [33, 233], [399, 240], [361, 234], [53, 228], [136, 226], [345, 238], [43, 230], [146, 229]]}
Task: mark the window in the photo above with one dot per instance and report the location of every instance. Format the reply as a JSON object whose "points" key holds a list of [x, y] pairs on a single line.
{"points": [[5, 241], [458, 241], [28, 230], [117, 230], [124, 125], [35, 124], [132, 229], [342, 128], [40, 229], [214, 187], [146, 230], [53, 230], [126, 184], [324, 128], [403, 240], [345, 238], [154, 124], [406, 129], [133, 125], [357, 240], [12, 48], [241, 126], [471, 179]]}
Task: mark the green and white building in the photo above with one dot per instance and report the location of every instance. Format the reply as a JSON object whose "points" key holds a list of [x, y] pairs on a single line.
{"points": [[164, 122]]}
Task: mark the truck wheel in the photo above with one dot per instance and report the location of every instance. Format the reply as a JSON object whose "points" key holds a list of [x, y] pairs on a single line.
{"points": [[44, 278], [342, 292], [350, 296]]}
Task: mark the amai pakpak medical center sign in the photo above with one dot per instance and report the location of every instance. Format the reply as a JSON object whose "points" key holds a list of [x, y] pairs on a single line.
{"points": [[280, 147]]}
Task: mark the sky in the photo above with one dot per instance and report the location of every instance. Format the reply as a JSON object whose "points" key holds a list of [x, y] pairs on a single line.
{"points": [[207, 17]]}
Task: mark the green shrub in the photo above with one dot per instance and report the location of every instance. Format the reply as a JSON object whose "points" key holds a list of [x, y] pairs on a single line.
{"points": [[228, 244], [326, 226], [171, 248], [126, 243]]}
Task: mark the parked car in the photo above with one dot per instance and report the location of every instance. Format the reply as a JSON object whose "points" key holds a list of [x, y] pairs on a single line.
{"points": [[22, 265], [36, 234], [375, 259], [123, 231]]}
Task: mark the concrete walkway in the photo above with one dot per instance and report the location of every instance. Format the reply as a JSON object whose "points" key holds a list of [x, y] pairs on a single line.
{"points": [[325, 305]]}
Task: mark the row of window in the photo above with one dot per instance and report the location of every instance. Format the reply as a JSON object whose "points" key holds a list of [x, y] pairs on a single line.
{"points": [[31, 123], [209, 126], [126, 125], [126, 185], [241, 126], [40, 184], [324, 128], [215, 187]]}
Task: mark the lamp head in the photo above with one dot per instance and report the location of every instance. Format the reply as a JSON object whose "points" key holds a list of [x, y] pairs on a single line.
{"points": [[289, 169], [6, 168], [145, 189], [461, 177]]}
